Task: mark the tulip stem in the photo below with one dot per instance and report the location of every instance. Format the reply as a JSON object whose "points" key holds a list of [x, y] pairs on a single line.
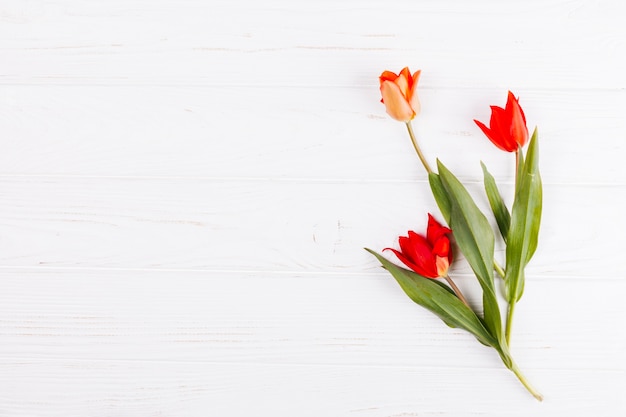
{"points": [[516, 166], [456, 290], [498, 269], [417, 148], [524, 381], [509, 323], [506, 357]]}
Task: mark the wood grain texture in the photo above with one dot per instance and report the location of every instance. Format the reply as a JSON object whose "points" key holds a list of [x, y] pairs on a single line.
{"points": [[186, 188], [296, 133], [547, 44], [245, 225]]}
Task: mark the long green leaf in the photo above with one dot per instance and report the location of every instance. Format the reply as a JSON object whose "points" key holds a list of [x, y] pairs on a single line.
{"points": [[525, 221], [440, 194], [475, 239], [437, 298], [500, 211]]}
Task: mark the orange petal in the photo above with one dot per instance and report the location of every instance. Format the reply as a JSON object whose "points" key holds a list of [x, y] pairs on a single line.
{"points": [[412, 97], [416, 76], [405, 73], [403, 82], [395, 102], [414, 102], [442, 266]]}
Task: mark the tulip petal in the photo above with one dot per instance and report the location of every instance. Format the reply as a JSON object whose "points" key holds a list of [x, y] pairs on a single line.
{"points": [[395, 103], [499, 121], [412, 96], [416, 247], [442, 247], [417, 268], [490, 135], [500, 125], [388, 76], [419, 251], [484, 128], [442, 266], [403, 82], [518, 129], [406, 74], [415, 78], [435, 231]]}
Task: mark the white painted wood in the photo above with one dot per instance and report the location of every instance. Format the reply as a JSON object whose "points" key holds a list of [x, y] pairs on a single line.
{"points": [[297, 133], [186, 188], [270, 226], [529, 44]]}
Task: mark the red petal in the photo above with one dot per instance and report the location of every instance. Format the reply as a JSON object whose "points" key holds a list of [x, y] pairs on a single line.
{"points": [[518, 129], [417, 268], [485, 130], [416, 247], [435, 230], [387, 76], [492, 135], [500, 128], [419, 251], [499, 121], [442, 247]]}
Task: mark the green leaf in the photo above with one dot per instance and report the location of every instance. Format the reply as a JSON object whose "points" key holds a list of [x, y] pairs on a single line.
{"points": [[500, 212], [525, 221], [520, 168], [475, 239], [439, 299], [440, 194]]}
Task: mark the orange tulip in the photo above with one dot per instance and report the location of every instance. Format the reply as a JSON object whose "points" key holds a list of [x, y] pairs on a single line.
{"points": [[507, 127], [400, 95]]}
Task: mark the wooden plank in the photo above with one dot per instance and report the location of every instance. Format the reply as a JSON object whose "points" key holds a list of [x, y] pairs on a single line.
{"points": [[259, 318], [288, 226], [526, 44], [297, 133], [144, 388]]}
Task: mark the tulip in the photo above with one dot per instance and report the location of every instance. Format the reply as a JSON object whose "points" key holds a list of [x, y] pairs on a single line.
{"points": [[400, 99], [430, 255], [400, 95], [507, 127]]}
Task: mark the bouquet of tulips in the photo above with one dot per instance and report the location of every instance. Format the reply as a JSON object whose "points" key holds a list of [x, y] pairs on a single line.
{"points": [[428, 257]]}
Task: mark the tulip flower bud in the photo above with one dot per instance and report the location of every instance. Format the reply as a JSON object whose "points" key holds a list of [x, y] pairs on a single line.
{"points": [[507, 127], [400, 95], [430, 255]]}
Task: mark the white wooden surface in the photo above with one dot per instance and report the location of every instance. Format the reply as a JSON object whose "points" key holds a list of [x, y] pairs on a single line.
{"points": [[186, 188]]}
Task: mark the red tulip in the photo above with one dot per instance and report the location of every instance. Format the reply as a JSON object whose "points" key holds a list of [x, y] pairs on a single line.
{"points": [[400, 95], [507, 127], [429, 256]]}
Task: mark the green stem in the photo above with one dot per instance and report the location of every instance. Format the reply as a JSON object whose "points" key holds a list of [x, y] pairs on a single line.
{"points": [[417, 148], [512, 366], [498, 269], [509, 322], [456, 290], [516, 165], [524, 381]]}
